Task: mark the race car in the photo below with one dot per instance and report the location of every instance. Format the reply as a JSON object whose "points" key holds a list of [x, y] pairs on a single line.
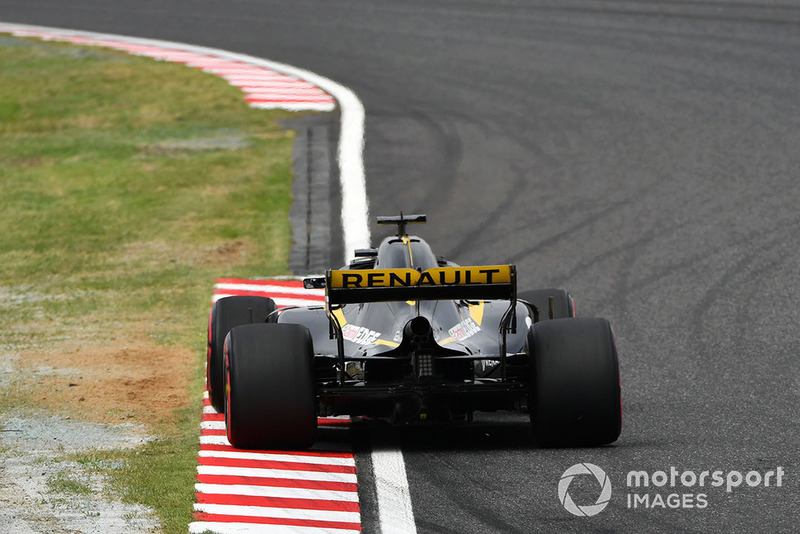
{"points": [[411, 338]]}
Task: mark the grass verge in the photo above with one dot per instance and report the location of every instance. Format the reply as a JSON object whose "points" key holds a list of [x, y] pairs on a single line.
{"points": [[129, 185]]}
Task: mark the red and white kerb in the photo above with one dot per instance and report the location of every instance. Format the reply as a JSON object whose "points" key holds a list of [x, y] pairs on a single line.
{"points": [[262, 87]]}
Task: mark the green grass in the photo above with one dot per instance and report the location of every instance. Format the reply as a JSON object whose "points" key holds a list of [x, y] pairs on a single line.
{"points": [[64, 483], [102, 210], [128, 186]]}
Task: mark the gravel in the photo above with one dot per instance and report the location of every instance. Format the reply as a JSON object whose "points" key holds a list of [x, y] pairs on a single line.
{"points": [[42, 493]]}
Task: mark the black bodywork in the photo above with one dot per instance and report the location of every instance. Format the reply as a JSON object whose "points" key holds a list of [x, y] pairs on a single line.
{"points": [[416, 356]]}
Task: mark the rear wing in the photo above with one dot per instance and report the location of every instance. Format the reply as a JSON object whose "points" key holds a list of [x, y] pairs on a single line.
{"points": [[487, 282]]}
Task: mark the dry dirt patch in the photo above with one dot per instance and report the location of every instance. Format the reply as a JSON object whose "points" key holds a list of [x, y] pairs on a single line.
{"points": [[135, 380]]}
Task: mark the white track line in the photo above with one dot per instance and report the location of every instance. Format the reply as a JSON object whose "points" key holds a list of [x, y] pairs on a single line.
{"points": [[394, 498]]}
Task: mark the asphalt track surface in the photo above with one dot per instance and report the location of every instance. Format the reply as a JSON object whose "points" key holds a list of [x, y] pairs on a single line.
{"points": [[643, 155]]}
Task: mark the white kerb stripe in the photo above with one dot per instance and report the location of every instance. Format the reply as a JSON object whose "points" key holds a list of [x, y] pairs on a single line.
{"points": [[318, 446], [269, 93], [200, 527], [279, 492], [222, 470], [214, 440], [279, 513], [213, 425], [270, 84], [394, 498], [300, 106], [277, 457]]}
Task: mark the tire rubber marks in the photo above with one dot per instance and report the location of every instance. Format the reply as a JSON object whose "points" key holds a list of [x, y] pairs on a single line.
{"points": [[262, 87]]}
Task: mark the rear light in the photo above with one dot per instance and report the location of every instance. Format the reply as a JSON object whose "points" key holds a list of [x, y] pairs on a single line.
{"points": [[424, 365]]}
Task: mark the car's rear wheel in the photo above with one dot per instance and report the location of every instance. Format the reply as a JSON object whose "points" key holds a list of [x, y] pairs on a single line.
{"points": [[225, 314], [563, 304], [270, 401], [574, 397]]}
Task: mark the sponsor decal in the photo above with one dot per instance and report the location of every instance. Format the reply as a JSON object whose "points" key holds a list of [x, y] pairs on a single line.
{"points": [[359, 334], [465, 329], [440, 276]]}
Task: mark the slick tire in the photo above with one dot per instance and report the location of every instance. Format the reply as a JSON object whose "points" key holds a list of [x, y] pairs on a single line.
{"points": [[574, 397], [564, 305], [225, 314], [270, 401]]}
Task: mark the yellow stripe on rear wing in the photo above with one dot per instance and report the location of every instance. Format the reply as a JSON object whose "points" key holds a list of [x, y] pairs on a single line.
{"points": [[484, 282]]}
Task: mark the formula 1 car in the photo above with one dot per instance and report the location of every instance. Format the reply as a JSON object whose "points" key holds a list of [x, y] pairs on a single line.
{"points": [[414, 339]]}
